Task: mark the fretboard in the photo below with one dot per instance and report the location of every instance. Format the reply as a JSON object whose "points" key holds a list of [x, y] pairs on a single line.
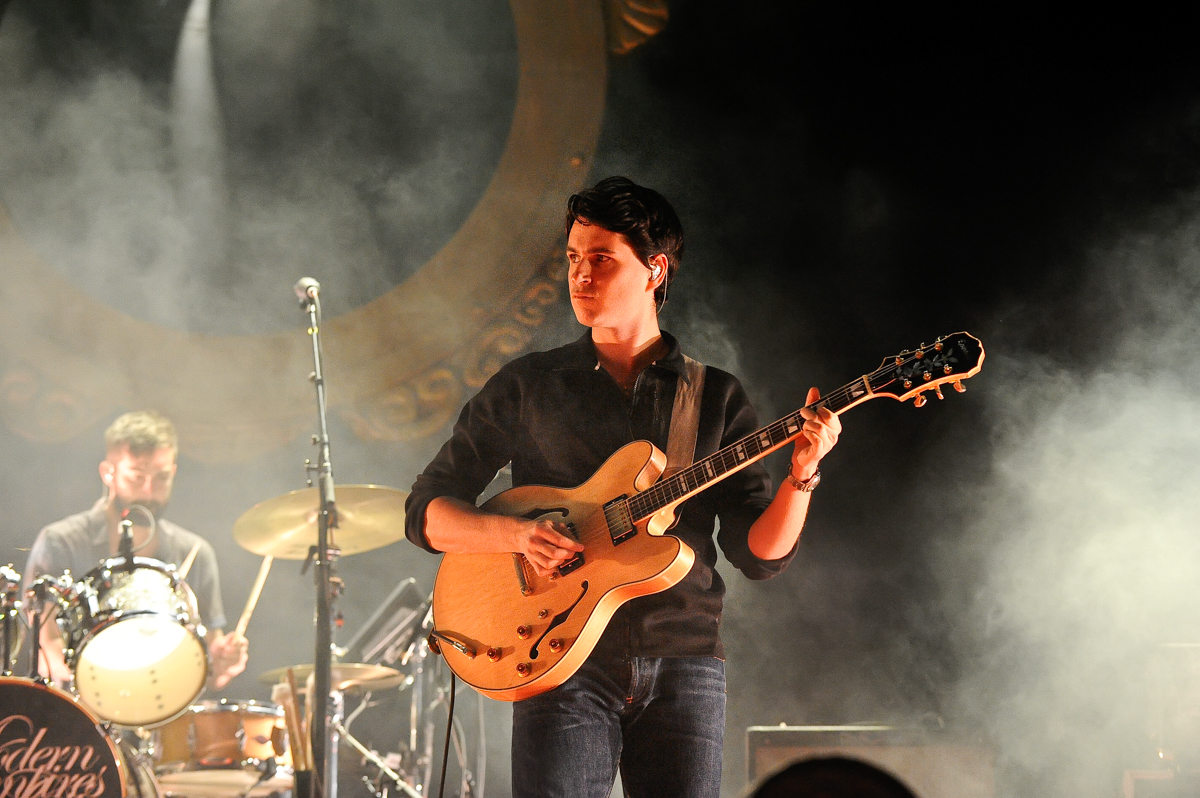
{"points": [[749, 449]]}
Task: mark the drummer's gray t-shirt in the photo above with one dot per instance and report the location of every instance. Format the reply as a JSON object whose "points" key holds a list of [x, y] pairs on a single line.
{"points": [[80, 542]]}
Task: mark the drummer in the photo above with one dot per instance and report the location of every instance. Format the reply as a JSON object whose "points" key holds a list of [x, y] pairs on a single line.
{"points": [[138, 469]]}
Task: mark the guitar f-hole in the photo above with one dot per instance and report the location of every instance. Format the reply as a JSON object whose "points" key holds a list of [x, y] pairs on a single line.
{"points": [[559, 619]]}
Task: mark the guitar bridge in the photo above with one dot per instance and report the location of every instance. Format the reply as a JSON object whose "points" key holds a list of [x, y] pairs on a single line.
{"points": [[620, 522]]}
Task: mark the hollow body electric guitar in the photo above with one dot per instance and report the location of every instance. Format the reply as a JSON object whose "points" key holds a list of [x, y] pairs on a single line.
{"points": [[512, 634]]}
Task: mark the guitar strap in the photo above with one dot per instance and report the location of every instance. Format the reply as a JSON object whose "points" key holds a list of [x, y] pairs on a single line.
{"points": [[685, 418]]}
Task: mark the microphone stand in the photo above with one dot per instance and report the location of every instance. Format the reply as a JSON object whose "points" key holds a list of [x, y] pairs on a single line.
{"points": [[323, 556]]}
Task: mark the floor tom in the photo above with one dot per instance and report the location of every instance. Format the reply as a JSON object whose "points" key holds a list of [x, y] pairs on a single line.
{"points": [[224, 749]]}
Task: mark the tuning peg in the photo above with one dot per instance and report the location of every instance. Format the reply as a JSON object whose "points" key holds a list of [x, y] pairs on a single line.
{"points": [[919, 400], [958, 386], [938, 390]]}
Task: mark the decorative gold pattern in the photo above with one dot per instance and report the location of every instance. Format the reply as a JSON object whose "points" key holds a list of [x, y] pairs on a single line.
{"points": [[422, 406], [633, 22], [68, 362]]}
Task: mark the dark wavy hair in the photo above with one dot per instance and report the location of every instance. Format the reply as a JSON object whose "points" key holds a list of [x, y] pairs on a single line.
{"points": [[641, 214]]}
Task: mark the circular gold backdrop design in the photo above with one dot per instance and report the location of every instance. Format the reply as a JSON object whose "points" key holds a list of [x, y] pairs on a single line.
{"points": [[396, 368]]}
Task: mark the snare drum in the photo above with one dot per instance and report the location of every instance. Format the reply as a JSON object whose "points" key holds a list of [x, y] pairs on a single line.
{"points": [[134, 641], [220, 749], [51, 744]]}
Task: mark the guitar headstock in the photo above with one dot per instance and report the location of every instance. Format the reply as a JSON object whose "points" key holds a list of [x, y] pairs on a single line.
{"points": [[908, 375]]}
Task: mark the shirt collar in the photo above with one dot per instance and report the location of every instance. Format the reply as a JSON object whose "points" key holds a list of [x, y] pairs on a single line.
{"points": [[581, 354]]}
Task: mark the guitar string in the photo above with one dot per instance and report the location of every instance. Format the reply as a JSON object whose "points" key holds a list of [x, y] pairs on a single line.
{"points": [[647, 502]]}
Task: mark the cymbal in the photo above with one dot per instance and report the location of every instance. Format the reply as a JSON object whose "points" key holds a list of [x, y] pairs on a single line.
{"points": [[344, 676], [369, 517]]}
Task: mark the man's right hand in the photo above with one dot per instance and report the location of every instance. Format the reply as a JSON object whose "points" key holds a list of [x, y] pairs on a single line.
{"points": [[452, 525], [546, 544]]}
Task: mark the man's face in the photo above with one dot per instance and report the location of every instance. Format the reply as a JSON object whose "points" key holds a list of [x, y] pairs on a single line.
{"points": [[609, 286], [144, 479]]}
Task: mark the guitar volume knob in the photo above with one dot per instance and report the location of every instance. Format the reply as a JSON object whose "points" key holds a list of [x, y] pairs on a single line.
{"points": [[493, 654], [523, 668], [556, 645], [524, 632]]}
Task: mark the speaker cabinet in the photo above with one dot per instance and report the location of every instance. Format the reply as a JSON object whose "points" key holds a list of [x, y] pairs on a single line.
{"points": [[933, 765]]}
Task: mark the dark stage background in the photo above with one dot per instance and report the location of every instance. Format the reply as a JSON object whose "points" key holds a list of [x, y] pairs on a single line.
{"points": [[1004, 566]]}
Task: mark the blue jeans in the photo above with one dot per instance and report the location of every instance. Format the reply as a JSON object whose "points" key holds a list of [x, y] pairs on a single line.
{"points": [[661, 719]]}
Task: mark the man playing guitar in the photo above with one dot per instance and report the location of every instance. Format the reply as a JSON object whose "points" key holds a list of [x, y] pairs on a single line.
{"points": [[650, 699]]}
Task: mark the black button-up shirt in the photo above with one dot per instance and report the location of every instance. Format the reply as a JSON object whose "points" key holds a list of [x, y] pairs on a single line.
{"points": [[557, 416]]}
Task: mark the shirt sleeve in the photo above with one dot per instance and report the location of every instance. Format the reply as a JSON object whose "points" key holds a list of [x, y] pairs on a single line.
{"points": [[744, 496], [49, 556], [480, 445]]}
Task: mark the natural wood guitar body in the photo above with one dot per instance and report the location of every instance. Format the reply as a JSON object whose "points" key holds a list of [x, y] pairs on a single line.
{"points": [[552, 626]]}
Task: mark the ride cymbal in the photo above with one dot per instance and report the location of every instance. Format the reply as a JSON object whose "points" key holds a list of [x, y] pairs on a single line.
{"points": [[369, 517]]}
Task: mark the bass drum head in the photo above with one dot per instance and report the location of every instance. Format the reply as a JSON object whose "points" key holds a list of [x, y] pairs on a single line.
{"points": [[50, 744]]}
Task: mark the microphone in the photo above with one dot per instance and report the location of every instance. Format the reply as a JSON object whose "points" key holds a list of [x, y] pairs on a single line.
{"points": [[306, 290]]}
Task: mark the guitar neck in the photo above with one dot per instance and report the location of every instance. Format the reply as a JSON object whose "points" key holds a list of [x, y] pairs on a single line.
{"points": [[736, 456], [906, 375]]}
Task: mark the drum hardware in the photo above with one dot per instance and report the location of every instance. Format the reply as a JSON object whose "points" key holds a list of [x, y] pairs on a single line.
{"points": [[12, 630], [44, 591], [370, 756]]}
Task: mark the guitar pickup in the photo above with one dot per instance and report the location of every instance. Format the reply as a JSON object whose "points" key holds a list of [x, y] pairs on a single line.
{"points": [[570, 565], [620, 522]]}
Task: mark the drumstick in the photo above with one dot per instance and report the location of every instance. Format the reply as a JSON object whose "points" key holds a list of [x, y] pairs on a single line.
{"points": [[188, 560], [303, 747], [255, 591], [282, 694]]}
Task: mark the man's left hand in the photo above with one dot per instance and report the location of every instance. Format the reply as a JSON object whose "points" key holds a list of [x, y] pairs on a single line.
{"points": [[229, 654], [820, 433]]}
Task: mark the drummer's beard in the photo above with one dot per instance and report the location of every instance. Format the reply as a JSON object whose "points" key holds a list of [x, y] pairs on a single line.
{"points": [[156, 509]]}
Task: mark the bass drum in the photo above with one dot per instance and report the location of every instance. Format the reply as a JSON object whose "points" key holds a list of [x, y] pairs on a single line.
{"points": [[51, 744], [134, 641]]}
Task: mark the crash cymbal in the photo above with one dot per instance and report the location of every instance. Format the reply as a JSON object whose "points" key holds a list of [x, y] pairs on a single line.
{"points": [[369, 517], [344, 676]]}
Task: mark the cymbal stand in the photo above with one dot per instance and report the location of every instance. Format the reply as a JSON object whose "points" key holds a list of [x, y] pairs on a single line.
{"points": [[370, 756], [323, 556], [10, 618]]}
